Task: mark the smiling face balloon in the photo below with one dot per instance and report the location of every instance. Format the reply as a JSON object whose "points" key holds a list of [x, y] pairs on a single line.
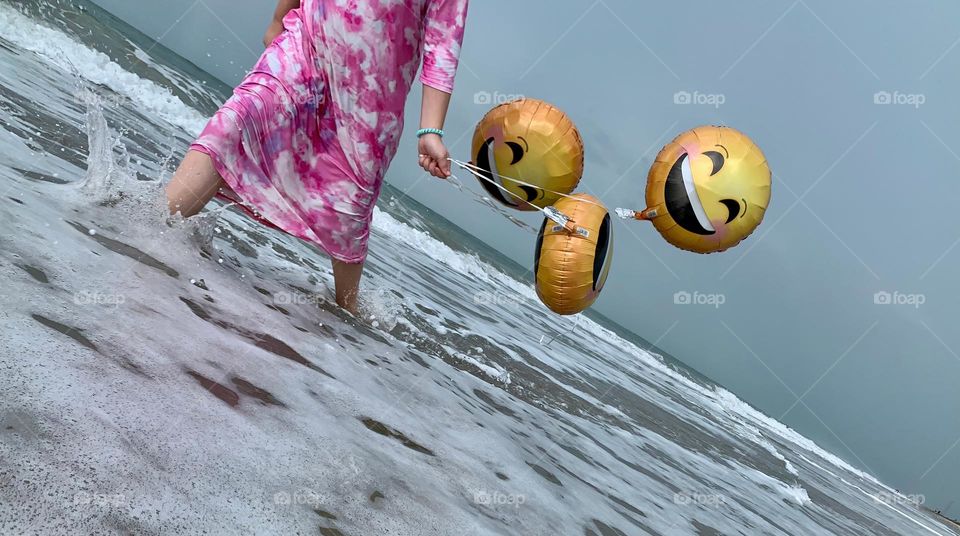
{"points": [[708, 189], [534, 143]]}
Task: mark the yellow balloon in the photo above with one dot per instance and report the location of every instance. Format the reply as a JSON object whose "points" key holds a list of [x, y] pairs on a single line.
{"points": [[572, 267], [708, 189], [534, 143]]}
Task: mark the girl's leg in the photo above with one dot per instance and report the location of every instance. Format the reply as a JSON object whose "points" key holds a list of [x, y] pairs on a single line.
{"points": [[193, 185], [346, 278], [197, 181]]}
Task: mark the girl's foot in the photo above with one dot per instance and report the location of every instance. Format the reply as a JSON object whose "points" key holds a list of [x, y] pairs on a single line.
{"points": [[346, 277]]}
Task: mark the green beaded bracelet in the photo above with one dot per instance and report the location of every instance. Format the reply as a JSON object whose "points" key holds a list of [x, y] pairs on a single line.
{"points": [[424, 131]]}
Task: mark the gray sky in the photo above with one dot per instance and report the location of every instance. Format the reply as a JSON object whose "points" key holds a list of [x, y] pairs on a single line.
{"points": [[862, 202]]}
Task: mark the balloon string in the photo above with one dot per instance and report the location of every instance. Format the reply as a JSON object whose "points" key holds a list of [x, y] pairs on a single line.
{"points": [[455, 181], [561, 334], [556, 216], [551, 213], [469, 168], [478, 172], [623, 213]]}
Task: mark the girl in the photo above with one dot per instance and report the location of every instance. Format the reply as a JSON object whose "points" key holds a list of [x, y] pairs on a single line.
{"points": [[307, 137]]}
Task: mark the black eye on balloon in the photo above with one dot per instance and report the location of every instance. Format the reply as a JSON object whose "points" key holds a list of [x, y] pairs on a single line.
{"points": [[717, 160], [733, 206], [518, 151]]}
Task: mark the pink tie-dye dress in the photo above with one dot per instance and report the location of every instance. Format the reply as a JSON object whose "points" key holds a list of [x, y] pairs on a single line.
{"points": [[307, 137]]}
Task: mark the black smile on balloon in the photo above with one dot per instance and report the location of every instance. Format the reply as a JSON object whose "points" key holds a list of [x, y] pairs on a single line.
{"points": [[485, 164], [678, 202]]}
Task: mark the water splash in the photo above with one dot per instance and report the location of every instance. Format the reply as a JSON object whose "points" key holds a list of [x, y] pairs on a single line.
{"points": [[108, 162]]}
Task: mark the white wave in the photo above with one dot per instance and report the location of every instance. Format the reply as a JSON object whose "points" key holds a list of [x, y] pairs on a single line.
{"points": [[492, 370], [734, 405], [766, 445], [793, 493], [776, 454], [66, 53], [465, 264], [796, 495], [902, 512]]}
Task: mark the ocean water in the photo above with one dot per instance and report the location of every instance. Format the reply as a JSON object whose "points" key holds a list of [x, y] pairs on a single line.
{"points": [[182, 377]]}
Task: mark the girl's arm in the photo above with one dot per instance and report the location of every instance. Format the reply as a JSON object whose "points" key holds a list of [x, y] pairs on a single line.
{"points": [[276, 25], [433, 153], [443, 34]]}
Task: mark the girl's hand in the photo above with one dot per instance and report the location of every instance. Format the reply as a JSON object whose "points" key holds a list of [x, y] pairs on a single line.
{"points": [[275, 29], [434, 156]]}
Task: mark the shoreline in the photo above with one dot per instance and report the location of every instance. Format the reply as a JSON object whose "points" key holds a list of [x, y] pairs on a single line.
{"points": [[950, 522]]}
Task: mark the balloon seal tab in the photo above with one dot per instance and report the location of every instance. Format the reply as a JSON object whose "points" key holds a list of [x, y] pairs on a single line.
{"points": [[626, 214], [557, 217], [629, 214]]}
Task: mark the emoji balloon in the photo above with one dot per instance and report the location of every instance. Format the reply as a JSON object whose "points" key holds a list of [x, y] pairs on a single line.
{"points": [[707, 190], [532, 150], [571, 264]]}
